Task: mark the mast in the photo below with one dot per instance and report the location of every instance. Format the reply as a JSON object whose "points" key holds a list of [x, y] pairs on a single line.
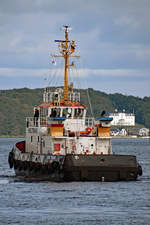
{"points": [[66, 56], [66, 48]]}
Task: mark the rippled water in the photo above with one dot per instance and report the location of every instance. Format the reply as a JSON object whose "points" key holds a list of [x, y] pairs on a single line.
{"points": [[76, 203]]}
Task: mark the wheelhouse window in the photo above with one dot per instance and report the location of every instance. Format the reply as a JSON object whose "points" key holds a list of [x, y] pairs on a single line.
{"points": [[55, 112], [67, 112], [78, 113]]}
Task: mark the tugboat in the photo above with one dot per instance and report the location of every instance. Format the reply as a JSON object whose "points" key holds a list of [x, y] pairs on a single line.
{"points": [[62, 144]]}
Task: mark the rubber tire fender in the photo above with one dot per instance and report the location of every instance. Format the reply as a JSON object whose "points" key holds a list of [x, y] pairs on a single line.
{"points": [[11, 160], [55, 165], [140, 172]]}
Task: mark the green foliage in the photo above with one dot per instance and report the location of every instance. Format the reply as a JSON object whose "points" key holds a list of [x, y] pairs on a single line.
{"points": [[141, 107], [17, 104]]}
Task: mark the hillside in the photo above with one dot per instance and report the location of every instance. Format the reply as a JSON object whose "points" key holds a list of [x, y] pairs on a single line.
{"points": [[17, 104]]}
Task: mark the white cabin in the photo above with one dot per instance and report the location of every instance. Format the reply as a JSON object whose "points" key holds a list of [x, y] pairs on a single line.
{"points": [[58, 128]]}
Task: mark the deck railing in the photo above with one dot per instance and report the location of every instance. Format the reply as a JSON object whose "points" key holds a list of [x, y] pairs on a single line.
{"points": [[46, 121], [36, 122]]}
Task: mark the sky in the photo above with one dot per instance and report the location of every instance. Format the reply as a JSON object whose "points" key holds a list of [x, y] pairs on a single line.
{"points": [[112, 38]]}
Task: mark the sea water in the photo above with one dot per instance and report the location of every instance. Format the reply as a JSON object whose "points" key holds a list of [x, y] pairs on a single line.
{"points": [[76, 203]]}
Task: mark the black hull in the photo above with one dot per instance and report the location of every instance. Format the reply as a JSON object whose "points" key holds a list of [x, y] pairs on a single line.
{"points": [[39, 172], [101, 168], [82, 168]]}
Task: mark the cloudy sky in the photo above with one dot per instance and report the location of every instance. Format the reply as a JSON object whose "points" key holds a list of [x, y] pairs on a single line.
{"points": [[112, 36]]}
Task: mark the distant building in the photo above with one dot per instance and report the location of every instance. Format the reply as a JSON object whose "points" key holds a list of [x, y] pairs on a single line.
{"points": [[119, 132], [122, 118], [144, 132], [123, 132]]}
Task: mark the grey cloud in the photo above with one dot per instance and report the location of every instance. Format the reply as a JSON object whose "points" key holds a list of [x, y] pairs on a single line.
{"points": [[108, 6], [36, 6]]}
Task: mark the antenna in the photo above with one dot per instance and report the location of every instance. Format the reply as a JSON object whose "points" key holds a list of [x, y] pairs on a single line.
{"points": [[66, 48], [67, 28]]}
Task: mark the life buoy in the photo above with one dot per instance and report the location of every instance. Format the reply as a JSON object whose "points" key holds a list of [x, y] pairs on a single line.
{"points": [[86, 151], [86, 132], [89, 129]]}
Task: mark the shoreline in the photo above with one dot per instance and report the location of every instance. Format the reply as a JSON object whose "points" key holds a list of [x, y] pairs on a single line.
{"points": [[130, 137], [12, 137]]}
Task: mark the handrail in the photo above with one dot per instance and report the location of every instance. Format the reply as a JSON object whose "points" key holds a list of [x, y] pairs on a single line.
{"points": [[46, 121]]}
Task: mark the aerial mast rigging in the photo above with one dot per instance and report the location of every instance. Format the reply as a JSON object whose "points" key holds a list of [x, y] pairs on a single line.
{"points": [[66, 48]]}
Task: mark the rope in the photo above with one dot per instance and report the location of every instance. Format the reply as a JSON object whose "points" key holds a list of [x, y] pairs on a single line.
{"points": [[89, 101]]}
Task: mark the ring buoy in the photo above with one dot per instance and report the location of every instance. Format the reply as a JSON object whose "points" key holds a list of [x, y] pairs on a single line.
{"points": [[86, 132], [89, 129]]}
